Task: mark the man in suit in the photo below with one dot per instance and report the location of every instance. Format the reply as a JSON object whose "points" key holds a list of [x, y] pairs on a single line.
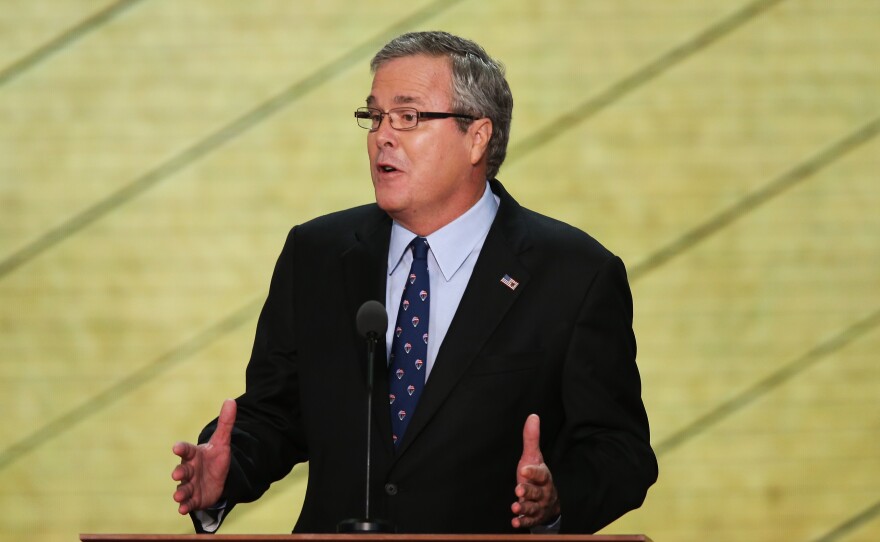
{"points": [[528, 411]]}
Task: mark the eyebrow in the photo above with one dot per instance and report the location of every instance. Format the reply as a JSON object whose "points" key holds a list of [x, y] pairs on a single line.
{"points": [[397, 100]]}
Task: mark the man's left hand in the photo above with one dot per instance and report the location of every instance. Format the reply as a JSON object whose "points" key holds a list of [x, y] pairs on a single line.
{"points": [[537, 501]]}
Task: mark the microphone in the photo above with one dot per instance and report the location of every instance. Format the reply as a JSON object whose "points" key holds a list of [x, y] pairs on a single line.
{"points": [[372, 322]]}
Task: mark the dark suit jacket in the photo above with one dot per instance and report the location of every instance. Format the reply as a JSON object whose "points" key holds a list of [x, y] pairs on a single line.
{"points": [[560, 345]]}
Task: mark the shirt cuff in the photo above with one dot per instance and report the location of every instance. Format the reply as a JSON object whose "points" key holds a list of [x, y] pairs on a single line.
{"points": [[211, 518], [549, 528]]}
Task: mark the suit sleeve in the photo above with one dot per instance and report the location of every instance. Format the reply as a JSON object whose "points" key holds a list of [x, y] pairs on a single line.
{"points": [[268, 437], [602, 463]]}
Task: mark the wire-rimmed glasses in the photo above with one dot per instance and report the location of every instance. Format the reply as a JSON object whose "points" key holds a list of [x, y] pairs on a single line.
{"points": [[401, 118]]}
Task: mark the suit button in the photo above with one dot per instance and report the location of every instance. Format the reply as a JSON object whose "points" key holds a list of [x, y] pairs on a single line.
{"points": [[391, 489]]}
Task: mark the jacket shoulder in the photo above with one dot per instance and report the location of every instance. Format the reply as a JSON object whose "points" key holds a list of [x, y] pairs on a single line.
{"points": [[340, 226], [557, 238], [545, 236]]}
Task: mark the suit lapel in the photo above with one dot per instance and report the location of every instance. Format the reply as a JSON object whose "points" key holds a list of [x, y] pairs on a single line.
{"points": [[364, 263], [485, 302], [365, 266]]}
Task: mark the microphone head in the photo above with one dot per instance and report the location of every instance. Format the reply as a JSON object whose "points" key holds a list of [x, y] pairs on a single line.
{"points": [[372, 320]]}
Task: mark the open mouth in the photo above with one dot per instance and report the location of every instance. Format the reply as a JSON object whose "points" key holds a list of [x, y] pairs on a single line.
{"points": [[386, 168]]}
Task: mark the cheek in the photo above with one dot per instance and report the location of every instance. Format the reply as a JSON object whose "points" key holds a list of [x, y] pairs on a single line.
{"points": [[428, 154], [371, 146], [448, 158]]}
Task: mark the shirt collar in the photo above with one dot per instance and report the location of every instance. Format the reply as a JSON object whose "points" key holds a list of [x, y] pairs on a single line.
{"points": [[453, 243]]}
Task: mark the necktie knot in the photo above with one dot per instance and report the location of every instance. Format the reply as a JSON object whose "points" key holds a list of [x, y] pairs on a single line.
{"points": [[420, 248]]}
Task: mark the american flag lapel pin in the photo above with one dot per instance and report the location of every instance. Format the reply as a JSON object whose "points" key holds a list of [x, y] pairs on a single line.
{"points": [[508, 281]]}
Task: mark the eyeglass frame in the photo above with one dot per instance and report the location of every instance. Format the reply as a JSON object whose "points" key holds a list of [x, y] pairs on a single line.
{"points": [[360, 111]]}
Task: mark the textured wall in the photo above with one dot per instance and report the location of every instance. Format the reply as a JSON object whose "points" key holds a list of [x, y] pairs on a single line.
{"points": [[153, 155]]}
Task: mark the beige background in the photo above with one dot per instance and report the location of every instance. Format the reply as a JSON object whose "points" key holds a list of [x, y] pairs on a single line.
{"points": [[154, 153]]}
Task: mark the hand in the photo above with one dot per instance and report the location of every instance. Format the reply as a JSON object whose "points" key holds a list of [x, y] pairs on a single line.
{"points": [[537, 501], [202, 470]]}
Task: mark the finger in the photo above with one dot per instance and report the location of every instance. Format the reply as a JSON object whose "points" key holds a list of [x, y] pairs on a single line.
{"points": [[184, 508], [531, 441], [536, 474], [183, 493], [527, 509], [518, 516], [223, 434], [528, 492], [523, 522], [182, 473], [184, 450]]}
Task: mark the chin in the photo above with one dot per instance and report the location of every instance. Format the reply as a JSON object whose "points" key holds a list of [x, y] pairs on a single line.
{"points": [[387, 201]]}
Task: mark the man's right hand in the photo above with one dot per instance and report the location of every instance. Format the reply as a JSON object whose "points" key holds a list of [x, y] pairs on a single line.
{"points": [[202, 470]]}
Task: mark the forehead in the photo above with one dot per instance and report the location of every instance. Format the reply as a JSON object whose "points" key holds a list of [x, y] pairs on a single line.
{"points": [[412, 80]]}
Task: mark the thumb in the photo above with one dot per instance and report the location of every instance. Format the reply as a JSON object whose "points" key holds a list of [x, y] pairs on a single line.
{"points": [[223, 434], [532, 442]]}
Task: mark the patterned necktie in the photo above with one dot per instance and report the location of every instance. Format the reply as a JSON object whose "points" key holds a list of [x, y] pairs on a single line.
{"points": [[409, 347]]}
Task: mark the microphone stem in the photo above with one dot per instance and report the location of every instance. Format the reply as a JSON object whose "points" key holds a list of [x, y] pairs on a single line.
{"points": [[371, 351]]}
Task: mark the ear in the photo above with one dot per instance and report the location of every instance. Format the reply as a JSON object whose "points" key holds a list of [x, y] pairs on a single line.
{"points": [[481, 133]]}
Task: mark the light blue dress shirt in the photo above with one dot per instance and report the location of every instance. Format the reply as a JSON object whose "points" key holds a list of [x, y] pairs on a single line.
{"points": [[454, 251]]}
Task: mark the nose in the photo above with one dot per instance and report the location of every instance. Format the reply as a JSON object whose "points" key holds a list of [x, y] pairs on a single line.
{"points": [[385, 135]]}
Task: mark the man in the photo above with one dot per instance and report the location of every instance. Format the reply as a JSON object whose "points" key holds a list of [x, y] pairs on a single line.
{"points": [[515, 406]]}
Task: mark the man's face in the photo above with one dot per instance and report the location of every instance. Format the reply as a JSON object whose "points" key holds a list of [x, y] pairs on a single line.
{"points": [[424, 178]]}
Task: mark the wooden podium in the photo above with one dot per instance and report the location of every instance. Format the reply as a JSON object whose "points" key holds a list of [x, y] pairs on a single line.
{"points": [[360, 537]]}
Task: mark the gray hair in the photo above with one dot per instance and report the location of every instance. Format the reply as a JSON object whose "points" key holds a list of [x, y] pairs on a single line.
{"points": [[479, 88]]}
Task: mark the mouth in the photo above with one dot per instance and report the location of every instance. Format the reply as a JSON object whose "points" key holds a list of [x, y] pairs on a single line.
{"points": [[386, 168]]}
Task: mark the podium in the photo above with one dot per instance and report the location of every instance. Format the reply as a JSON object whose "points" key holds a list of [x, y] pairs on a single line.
{"points": [[348, 537]]}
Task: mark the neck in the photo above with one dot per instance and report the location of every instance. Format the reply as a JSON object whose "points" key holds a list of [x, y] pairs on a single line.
{"points": [[430, 220]]}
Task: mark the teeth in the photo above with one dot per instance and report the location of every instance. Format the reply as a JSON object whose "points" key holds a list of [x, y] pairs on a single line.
{"points": [[387, 168]]}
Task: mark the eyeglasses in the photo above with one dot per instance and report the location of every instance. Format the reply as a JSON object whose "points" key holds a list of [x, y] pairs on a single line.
{"points": [[402, 118]]}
